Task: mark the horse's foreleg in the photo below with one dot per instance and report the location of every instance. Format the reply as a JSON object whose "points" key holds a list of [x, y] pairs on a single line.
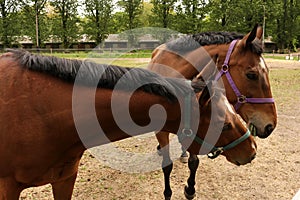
{"points": [[193, 164], [167, 165], [63, 190], [9, 189], [184, 155]]}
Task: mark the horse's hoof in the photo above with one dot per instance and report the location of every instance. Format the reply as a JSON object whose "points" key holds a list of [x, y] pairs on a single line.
{"points": [[167, 198], [188, 196], [184, 158]]}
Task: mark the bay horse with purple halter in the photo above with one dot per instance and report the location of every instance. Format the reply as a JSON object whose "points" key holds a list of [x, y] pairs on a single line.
{"points": [[40, 139], [239, 65]]}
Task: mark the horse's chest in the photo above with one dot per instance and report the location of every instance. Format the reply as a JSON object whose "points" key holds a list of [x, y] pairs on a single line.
{"points": [[59, 172]]}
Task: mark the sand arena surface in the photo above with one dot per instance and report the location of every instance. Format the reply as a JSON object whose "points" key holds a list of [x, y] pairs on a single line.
{"points": [[273, 175]]}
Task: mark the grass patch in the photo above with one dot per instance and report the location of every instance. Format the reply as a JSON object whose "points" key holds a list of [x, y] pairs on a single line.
{"points": [[77, 55], [136, 59], [280, 56], [103, 54], [285, 85], [285, 80], [130, 63], [125, 62]]}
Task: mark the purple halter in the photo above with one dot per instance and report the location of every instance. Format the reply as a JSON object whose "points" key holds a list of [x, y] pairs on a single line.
{"points": [[241, 99]]}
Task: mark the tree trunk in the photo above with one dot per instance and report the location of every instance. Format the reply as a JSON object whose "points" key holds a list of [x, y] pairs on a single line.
{"points": [[5, 39]]}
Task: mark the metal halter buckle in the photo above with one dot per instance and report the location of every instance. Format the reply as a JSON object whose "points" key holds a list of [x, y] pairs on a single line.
{"points": [[187, 132], [242, 99], [216, 153], [225, 68]]}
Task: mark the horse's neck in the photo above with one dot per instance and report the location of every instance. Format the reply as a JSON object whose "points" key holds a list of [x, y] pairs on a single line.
{"points": [[197, 60], [122, 115], [215, 54], [218, 51]]}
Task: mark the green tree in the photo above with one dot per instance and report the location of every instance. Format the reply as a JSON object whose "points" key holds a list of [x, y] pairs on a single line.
{"points": [[280, 17], [119, 22], [65, 23], [217, 18], [9, 22], [297, 39], [234, 15], [34, 20], [120, 19], [289, 24], [146, 14], [163, 10], [282, 22], [132, 9], [189, 16], [98, 13]]}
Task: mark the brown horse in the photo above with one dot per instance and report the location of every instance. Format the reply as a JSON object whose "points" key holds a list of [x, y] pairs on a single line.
{"points": [[40, 139], [242, 70]]}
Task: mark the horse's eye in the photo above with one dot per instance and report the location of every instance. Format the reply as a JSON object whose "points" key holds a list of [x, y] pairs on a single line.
{"points": [[252, 76], [227, 126]]}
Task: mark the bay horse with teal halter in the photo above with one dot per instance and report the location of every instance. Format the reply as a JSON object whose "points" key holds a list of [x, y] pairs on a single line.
{"points": [[239, 65], [40, 139]]}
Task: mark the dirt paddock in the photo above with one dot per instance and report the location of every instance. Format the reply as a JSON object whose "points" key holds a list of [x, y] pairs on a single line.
{"points": [[273, 175]]}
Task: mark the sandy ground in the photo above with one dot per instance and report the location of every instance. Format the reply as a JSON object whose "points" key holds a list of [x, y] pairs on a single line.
{"points": [[273, 175]]}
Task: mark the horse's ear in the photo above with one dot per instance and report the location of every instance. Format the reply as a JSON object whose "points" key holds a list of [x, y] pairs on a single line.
{"points": [[252, 35], [256, 32], [259, 32]]}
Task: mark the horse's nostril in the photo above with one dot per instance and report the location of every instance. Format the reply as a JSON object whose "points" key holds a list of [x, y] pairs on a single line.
{"points": [[269, 129]]}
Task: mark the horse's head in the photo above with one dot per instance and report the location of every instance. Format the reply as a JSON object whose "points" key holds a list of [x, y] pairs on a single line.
{"points": [[253, 98], [224, 131]]}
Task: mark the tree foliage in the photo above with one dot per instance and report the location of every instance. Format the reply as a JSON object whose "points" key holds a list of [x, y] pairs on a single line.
{"points": [[9, 23], [64, 24], [60, 19], [163, 11], [34, 20], [98, 14], [190, 15], [287, 22], [132, 9]]}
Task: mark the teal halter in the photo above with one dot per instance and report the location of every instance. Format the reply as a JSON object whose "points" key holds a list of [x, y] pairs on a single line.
{"points": [[187, 132]]}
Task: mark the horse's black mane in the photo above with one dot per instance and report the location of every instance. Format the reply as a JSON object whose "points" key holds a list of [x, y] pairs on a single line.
{"points": [[208, 38], [102, 75], [191, 42]]}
